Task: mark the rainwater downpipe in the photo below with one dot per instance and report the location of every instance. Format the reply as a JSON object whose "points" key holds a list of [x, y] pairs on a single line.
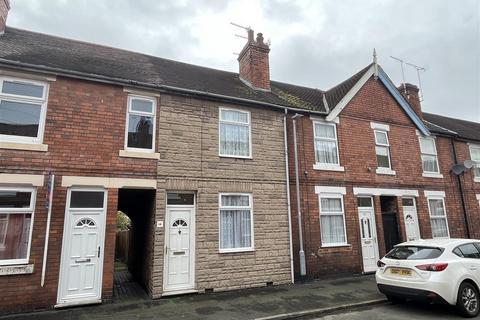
{"points": [[289, 204], [460, 188], [303, 268]]}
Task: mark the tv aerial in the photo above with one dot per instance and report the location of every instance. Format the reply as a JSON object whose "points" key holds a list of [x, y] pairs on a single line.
{"points": [[417, 68]]}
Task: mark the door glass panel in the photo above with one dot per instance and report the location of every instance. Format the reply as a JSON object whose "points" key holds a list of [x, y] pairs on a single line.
{"points": [[86, 199], [407, 202], [363, 228], [364, 202], [186, 199], [369, 230]]}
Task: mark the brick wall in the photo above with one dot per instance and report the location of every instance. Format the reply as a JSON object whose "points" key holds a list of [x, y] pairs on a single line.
{"points": [[357, 155], [84, 132]]}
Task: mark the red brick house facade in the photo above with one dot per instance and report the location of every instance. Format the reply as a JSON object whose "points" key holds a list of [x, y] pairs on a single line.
{"points": [[206, 172], [355, 180]]}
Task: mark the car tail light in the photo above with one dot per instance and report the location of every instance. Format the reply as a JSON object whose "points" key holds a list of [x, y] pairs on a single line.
{"points": [[433, 267], [380, 264]]}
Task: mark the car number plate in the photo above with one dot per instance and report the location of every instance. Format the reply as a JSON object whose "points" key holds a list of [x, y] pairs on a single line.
{"points": [[401, 272]]}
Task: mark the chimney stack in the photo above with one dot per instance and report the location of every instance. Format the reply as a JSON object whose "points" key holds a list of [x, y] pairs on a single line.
{"points": [[4, 7], [253, 63], [411, 93]]}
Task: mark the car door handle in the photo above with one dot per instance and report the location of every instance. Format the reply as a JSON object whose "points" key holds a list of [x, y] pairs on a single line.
{"points": [[473, 268]]}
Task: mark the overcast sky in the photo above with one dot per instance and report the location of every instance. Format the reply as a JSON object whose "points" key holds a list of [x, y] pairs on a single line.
{"points": [[313, 43]]}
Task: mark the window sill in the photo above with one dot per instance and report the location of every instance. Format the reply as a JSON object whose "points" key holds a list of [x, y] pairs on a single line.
{"points": [[235, 157], [143, 155], [328, 167], [336, 245], [239, 250], [16, 269], [24, 146], [432, 175], [386, 171]]}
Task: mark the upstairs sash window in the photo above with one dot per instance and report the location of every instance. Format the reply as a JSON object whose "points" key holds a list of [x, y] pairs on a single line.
{"points": [[429, 155], [326, 144], [140, 135], [382, 149], [234, 135]]}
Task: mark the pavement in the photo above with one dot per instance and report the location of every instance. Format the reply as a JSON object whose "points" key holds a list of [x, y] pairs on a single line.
{"points": [[410, 310], [300, 300]]}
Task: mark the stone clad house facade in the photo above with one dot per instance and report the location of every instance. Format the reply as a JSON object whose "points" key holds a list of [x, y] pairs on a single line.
{"points": [[214, 170]]}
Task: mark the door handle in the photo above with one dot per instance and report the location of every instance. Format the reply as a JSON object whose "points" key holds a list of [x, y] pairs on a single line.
{"points": [[473, 268], [98, 253]]}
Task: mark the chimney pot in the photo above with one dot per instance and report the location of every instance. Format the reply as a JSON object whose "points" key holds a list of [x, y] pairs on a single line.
{"points": [[254, 67], [4, 8], [411, 93]]}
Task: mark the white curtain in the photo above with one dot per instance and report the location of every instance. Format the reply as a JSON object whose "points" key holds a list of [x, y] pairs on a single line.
{"points": [[436, 207], [331, 221], [439, 227], [324, 131], [429, 163], [235, 229], [232, 115], [326, 151], [325, 143], [234, 140], [235, 201], [427, 146], [332, 229]]}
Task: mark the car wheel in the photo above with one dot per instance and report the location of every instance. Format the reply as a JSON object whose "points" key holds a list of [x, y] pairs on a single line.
{"points": [[468, 300], [394, 299]]}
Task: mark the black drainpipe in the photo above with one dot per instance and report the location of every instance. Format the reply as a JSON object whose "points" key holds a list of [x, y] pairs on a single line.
{"points": [[460, 188]]}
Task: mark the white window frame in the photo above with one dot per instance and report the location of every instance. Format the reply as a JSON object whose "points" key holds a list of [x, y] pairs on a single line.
{"points": [[383, 170], [249, 124], [30, 210], [26, 99], [477, 164], [431, 174], [321, 165], [152, 114], [438, 217], [332, 196], [250, 207]]}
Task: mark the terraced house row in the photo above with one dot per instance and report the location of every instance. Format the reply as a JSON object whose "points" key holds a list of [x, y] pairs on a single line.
{"points": [[231, 180]]}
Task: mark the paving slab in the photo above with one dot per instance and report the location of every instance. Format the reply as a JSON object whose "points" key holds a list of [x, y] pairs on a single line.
{"points": [[276, 302]]}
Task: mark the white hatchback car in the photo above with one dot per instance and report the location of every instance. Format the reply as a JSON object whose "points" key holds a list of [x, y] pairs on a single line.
{"points": [[434, 270]]}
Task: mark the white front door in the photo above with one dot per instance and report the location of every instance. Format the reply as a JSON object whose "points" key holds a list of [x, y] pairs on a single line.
{"points": [[179, 248], [368, 235], [81, 265], [411, 219]]}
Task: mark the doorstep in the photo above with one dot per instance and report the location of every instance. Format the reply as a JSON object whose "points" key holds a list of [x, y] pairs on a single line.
{"points": [[272, 303]]}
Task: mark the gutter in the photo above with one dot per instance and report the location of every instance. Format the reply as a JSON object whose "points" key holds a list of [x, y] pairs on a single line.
{"points": [[289, 209], [142, 85]]}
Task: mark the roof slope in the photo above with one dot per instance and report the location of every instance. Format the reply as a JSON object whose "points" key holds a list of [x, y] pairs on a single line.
{"points": [[38, 49], [464, 129]]}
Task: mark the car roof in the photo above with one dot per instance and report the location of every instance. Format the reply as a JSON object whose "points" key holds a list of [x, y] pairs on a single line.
{"points": [[442, 243]]}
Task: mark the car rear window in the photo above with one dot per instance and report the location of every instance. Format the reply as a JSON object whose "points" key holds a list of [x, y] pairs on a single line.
{"points": [[414, 253]]}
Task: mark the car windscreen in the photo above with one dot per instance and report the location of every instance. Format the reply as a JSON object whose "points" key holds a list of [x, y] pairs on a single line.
{"points": [[414, 253]]}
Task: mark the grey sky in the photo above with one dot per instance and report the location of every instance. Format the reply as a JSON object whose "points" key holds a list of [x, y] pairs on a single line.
{"points": [[314, 43]]}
